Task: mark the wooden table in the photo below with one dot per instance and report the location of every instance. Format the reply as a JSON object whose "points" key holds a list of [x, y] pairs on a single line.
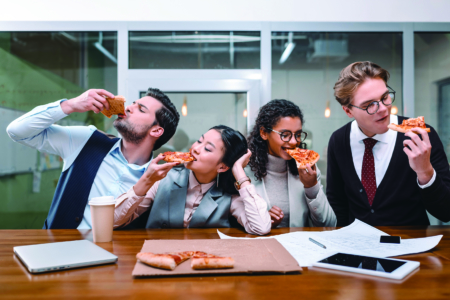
{"points": [[432, 281]]}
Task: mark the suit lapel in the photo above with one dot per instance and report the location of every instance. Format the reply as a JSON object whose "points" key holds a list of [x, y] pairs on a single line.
{"points": [[259, 186], [206, 208], [177, 201]]}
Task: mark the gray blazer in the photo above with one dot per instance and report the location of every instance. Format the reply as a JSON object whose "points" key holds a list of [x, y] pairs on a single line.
{"points": [[170, 201], [304, 212]]}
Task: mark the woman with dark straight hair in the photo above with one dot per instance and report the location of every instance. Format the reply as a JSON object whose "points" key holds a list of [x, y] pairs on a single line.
{"points": [[294, 197], [211, 191]]}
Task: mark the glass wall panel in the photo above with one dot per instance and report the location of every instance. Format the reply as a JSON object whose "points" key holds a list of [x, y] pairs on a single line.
{"points": [[37, 68], [432, 85], [432, 82], [194, 49], [306, 65], [201, 111]]}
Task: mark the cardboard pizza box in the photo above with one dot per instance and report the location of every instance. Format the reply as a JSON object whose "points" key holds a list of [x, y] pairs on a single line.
{"points": [[252, 256]]}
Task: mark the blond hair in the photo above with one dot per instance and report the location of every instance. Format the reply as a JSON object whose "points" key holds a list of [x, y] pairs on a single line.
{"points": [[353, 76]]}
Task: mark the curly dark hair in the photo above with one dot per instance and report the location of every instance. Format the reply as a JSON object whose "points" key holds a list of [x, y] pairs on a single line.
{"points": [[268, 117]]}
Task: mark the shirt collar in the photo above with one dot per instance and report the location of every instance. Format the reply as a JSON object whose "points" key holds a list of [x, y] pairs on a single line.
{"points": [[384, 138], [118, 149], [193, 182]]}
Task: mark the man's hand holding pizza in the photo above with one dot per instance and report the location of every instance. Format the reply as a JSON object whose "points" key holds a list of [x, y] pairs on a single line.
{"points": [[154, 173], [93, 99], [419, 151], [308, 176]]}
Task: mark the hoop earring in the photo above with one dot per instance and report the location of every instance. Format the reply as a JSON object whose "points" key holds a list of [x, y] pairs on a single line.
{"points": [[218, 179]]}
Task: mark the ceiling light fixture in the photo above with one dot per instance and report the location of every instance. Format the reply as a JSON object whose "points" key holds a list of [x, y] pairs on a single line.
{"points": [[290, 45], [103, 50]]}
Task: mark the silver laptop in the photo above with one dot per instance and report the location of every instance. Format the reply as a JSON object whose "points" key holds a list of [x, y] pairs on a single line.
{"points": [[63, 255]]}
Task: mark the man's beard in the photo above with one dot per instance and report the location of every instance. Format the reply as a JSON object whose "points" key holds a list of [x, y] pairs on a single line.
{"points": [[131, 133]]}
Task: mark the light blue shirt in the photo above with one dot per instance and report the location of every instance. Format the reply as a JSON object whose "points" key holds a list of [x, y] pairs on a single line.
{"points": [[36, 129]]}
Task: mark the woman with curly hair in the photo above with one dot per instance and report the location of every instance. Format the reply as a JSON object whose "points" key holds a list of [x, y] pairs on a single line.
{"points": [[295, 197]]}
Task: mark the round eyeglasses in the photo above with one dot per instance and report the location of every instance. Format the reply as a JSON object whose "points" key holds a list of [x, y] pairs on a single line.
{"points": [[286, 135], [388, 98]]}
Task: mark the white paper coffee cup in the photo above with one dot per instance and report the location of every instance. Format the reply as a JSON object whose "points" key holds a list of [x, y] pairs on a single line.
{"points": [[102, 217]]}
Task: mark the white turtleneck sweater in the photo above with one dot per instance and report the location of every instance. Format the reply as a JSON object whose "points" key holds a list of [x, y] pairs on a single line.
{"points": [[276, 183]]}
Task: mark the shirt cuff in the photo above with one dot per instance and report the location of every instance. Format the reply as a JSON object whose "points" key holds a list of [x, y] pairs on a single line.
{"points": [[429, 182], [247, 191], [60, 109], [312, 192], [130, 195]]}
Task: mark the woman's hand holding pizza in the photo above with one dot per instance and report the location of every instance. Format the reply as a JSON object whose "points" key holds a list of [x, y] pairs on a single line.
{"points": [[419, 151], [308, 176], [276, 214], [154, 173]]}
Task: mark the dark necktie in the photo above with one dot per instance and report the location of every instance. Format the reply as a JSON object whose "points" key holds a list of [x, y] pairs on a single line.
{"points": [[368, 179]]}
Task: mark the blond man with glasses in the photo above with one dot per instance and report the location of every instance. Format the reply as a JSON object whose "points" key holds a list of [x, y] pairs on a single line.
{"points": [[377, 175]]}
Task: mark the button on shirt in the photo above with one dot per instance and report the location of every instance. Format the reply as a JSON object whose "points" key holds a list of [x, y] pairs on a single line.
{"points": [[382, 151], [36, 129]]}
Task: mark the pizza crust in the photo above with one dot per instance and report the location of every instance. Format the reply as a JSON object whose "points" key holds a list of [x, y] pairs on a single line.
{"points": [[199, 260], [401, 129], [116, 106], [163, 261], [206, 263]]}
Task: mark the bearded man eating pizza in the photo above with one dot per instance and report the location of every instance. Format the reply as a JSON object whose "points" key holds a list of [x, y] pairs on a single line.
{"points": [[377, 175]]}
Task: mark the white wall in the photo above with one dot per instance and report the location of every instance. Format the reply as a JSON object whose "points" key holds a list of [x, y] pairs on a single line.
{"points": [[230, 10], [206, 110]]}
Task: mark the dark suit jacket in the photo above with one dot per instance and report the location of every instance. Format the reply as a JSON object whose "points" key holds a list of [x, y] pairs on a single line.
{"points": [[398, 200]]}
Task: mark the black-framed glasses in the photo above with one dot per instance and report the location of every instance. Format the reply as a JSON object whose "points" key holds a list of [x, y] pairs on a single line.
{"points": [[388, 98], [286, 135]]}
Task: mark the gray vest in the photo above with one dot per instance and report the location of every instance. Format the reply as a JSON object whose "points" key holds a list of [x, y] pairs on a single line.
{"points": [[170, 201]]}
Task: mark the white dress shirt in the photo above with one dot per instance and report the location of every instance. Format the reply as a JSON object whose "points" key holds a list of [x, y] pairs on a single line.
{"points": [[36, 129], [382, 151]]}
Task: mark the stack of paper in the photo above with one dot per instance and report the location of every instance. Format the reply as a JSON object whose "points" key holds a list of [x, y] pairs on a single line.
{"points": [[357, 238]]}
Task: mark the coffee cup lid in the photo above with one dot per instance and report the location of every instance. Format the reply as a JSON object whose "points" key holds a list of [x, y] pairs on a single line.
{"points": [[105, 200]]}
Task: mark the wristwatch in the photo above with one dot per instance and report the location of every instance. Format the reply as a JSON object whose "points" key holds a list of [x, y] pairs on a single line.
{"points": [[238, 183]]}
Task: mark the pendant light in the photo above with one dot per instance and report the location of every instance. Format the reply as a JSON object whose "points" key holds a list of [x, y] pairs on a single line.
{"points": [[394, 110], [245, 113], [184, 107], [327, 110]]}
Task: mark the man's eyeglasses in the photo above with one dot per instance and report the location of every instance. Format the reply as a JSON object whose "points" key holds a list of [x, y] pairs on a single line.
{"points": [[286, 136], [388, 98]]}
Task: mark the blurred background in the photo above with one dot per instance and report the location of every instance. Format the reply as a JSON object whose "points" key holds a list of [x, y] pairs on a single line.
{"points": [[217, 68]]}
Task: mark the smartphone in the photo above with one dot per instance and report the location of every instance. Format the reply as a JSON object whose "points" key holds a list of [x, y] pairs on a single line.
{"points": [[369, 265]]}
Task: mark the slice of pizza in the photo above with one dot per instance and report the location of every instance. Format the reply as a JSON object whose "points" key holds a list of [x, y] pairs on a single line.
{"points": [[204, 261], [116, 106], [166, 261], [303, 157], [409, 124], [180, 157]]}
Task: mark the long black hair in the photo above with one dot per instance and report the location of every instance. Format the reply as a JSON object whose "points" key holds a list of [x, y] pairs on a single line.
{"points": [[235, 146], [268, 117]]}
